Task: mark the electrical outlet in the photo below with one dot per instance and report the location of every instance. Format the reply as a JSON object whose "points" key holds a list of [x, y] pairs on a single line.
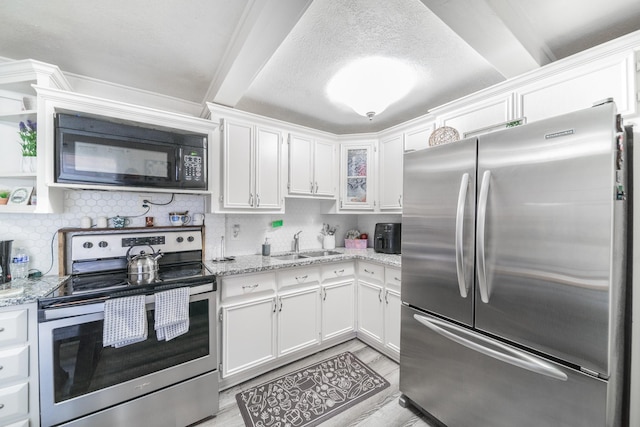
{"points": [[235, 232], [143, 197]]}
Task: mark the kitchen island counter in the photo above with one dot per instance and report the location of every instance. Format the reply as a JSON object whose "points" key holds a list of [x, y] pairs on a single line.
{"points": [[256, 263]]}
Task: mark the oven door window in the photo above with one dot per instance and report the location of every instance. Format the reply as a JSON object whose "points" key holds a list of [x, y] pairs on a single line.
{"points": [[81, 364]]}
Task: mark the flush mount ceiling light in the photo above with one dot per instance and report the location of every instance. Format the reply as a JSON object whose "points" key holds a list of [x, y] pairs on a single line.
{"points": [[370, 85]]}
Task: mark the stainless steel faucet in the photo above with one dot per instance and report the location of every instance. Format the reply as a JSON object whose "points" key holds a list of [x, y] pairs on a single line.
{"points": [[296, 242]]}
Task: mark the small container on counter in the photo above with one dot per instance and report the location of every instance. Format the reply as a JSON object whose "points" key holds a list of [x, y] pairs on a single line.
{"points": [[266, 247]]}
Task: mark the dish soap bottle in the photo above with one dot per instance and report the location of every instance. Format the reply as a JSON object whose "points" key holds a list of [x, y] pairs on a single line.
{"points": [[266, 247]]}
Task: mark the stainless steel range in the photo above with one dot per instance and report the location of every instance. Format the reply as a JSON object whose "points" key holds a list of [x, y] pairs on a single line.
{"points": [[152, 382]]}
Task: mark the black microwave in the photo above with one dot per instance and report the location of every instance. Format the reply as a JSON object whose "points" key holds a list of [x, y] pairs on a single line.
{"points": [[94, 151]]}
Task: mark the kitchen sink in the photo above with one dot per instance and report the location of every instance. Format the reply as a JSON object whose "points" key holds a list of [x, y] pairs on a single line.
{"points": [[319, 254], [315, 254]]}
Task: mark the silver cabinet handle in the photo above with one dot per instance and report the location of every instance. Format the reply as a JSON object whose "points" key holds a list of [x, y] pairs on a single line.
{"points": [[1, 405], [250, 199], [482, 216], [397, 279], [311, 184], [508, 355], [301, 278], [338, 272], [316, 188], [257, 200], [250, 287], [380, 294], [386, 297], [370, 272], [324, 298], [462, 200], [1, 329], [275, 305], [280, 305], [400, 200]]}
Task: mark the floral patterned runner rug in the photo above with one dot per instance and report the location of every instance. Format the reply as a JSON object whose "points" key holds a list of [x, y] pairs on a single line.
{"points": [[311, 395]]}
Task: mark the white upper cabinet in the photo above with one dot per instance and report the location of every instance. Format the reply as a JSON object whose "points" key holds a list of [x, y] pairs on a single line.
{"points": [[251, 166], [390, 173], [357, 176], [479, 117], [579, 88], [18, 103], [417, 138], [311, 166]]}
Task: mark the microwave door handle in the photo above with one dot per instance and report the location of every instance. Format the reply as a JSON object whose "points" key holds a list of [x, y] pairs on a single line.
{"points": [[179, 165], [462, 198], [482, 217], [491, 348]]}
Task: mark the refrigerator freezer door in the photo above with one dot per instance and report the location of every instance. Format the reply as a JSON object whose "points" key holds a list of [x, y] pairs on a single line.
{"points": [[545, 236], [464, 387], [438, 228]]}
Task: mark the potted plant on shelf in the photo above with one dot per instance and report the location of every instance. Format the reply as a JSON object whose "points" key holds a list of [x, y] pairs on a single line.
{"points": [[4, 196], [29, 135]]}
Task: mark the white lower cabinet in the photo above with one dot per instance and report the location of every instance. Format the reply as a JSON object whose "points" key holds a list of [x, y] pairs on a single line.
{"points": [[298, 320], [379, 307], [248, 335], [370, 310], [268, 319], [338, 309]]}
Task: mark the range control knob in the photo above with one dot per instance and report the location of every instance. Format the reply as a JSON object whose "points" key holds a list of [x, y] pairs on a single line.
{"points": [[180, 239], [190, 238], [87, 245], [103, 244]]}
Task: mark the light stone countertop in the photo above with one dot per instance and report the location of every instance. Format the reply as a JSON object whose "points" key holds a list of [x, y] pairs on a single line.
{"points": [[257, 263], [32, 289]]}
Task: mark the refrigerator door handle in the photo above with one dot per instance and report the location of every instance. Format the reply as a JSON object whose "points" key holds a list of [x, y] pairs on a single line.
{"points": [[462, 198], [507, 354], [482, 213]]}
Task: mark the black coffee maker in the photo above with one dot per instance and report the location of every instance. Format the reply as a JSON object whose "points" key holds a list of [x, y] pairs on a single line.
{"points": [[386, 238], [5, 260]]}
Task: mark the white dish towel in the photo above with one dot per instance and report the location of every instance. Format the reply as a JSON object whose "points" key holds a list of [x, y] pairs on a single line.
{"points": [[172, 313], [125, 321]]}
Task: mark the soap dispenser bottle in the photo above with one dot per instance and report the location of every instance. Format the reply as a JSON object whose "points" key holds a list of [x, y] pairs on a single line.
{"points": [[266, 247]]}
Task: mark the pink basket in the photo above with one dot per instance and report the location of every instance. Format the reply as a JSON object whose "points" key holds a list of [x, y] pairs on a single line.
{"points": [[355, 243]]}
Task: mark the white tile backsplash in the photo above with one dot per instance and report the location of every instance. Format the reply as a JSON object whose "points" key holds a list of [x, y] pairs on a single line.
{"points": [[38, 232]]}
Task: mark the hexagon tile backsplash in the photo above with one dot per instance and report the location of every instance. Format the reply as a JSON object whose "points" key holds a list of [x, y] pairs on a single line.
{"points": [[243, 233]]}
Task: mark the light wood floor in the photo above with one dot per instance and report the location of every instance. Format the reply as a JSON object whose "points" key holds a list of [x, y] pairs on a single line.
{"points": [[380, 410]]}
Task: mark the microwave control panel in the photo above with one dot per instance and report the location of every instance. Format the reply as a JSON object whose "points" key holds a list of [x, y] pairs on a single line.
{"points": [[193, 166]]}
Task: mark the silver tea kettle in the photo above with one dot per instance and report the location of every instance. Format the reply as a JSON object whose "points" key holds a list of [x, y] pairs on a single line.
{"points": [[142, 269]]}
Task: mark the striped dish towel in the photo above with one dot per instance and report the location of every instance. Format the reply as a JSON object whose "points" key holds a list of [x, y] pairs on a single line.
{"points": [[125, 321], [172, 313]]}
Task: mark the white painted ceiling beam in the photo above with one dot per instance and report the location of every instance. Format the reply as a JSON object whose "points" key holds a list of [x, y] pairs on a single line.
{"points": [[264, 26], [496, 29]]}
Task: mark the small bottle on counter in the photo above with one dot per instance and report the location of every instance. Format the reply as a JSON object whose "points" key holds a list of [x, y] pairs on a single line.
{"points": [[266, 247], [20, 264]]}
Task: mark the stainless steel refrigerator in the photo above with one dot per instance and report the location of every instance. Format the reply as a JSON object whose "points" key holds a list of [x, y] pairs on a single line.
{"points": [[514, 275]]}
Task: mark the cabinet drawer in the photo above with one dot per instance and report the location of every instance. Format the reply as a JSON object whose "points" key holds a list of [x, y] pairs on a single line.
{"points": [[13, 327], [337, 271], [370, 272], [393, 278], [23, 423], [14, 364], [298, 277], [248, 285], [14, 400]]}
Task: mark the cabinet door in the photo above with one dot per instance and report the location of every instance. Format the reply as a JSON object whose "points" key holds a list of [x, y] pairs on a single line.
{"points": [[300, 165], [357, 176], [298, 320], [418, 138], [370, 310], [238, 165], [248, 335], [324, 169], [392, 304], [390, 177], [475, 118], [337, 309], [268, 155]]}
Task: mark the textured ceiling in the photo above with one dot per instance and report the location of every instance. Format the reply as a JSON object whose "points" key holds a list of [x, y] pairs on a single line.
{"points": [[275, 57]]}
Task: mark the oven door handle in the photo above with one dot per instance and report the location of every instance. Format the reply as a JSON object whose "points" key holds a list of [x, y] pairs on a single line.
{"points": [[77, 309]]}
